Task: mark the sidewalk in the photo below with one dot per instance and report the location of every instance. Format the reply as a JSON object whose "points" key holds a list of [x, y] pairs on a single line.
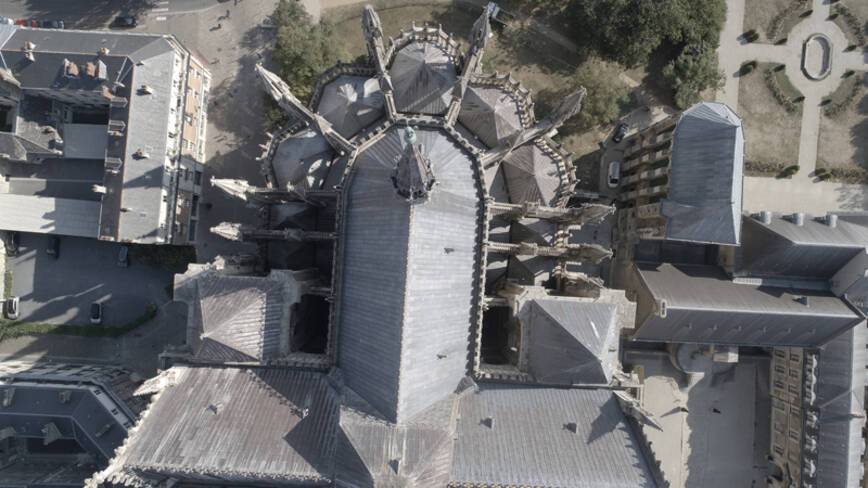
{"points": [[800, 193]]}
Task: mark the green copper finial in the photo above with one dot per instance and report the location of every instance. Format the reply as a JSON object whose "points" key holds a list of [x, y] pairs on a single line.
{"points": [[409, 135]]}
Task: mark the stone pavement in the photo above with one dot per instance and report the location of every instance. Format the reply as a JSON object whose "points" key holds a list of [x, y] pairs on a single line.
{"points": [[800, 193]]}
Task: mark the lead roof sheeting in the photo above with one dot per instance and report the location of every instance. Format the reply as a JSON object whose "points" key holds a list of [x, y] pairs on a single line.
{"points": [[423, 76], [570, 340], [841, 400], [246, 425], [704, 306], [404, 323], [532, 175], [238, 318], [42, 215], [530, 442], [351, 103], [491, 113], [302, 159], [705, 177]]}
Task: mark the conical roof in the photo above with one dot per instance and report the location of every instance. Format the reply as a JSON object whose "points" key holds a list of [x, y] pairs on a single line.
{"points": [[423, 75], [491, 113], [532, 175], [351, 103], [302, 160]]}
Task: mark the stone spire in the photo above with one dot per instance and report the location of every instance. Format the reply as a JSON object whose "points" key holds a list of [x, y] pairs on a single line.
{"points": [[570, 106], [279, 90], [412, 176], [373, 31], [245, 191], [234, 231], [479, 36]]}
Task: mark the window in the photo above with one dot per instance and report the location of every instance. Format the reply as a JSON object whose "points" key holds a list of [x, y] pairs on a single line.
{"points": [[197, 178], [194, 206]]}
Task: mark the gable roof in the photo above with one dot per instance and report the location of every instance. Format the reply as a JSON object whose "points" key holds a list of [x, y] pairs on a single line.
{"points": [[690, 303], [511, 435], [705, 177]]}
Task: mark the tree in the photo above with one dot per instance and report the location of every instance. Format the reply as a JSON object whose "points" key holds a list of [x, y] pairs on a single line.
{"points": [[303, 50], [606, 94], [692, 72], [626, 31]]}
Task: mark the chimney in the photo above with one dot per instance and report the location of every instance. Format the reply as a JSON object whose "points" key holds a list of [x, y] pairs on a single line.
{"points": [[141, 154], [488, 422], [831, 220], [29, 56], [765, 217], [799, 219], [103, 51], [146, 90]]}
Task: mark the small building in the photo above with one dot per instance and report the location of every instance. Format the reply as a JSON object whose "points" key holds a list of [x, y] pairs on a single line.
{"points": [[102, 135], [681, 178]]}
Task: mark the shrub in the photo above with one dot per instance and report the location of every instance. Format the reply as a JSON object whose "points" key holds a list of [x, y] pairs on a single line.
{"points": [[852, 23], [302, 50], [606, 94], [747, 68], [784, 16]]}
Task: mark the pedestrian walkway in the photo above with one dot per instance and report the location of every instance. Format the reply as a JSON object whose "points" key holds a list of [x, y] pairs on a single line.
{"points": [[801, 192]]}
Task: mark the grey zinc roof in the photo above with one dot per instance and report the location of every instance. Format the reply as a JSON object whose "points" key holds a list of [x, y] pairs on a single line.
{"points": [[703, 306], [490, 112], [63, 216], [405, 324], [524, 436], [810, 251], [571, 341], [238, 318], [351, 103], [128, 44], [147, 129], [533, 175], [423, 75], [841, 401], [705, 177], [302, 159], [239, 426]]}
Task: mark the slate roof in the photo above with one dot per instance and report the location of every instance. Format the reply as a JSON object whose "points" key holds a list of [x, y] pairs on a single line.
{"points": [[373, 453], [571, 341], [703, 305], [423, 74], [706, 176], [405, 325], [533, 174], [491, 113], [351, 103], [97, 412], [546, 437], [841, 401], [238, 425], [238, 318]]}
